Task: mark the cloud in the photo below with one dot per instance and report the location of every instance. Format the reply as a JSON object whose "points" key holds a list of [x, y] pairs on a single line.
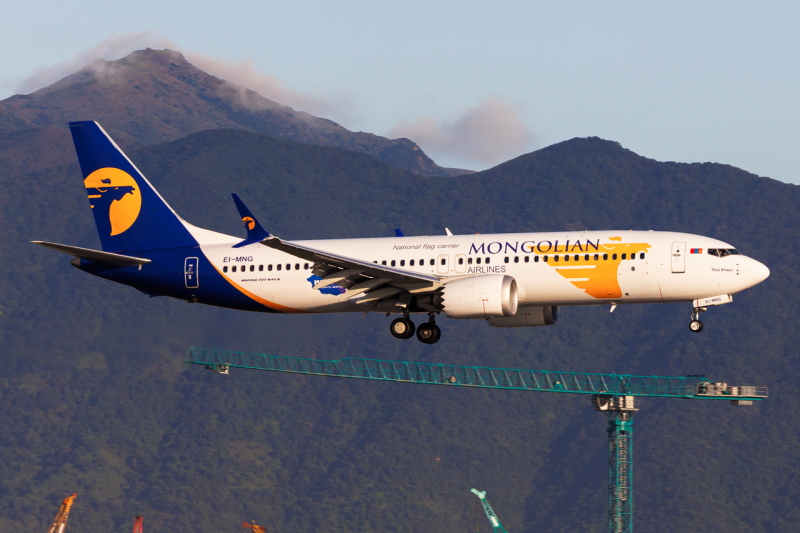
{"points": [[488, 133], [244, 74], [115, 47]]}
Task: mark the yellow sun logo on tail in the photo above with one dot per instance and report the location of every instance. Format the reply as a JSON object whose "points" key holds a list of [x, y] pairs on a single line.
{"points": [[116, 192]]}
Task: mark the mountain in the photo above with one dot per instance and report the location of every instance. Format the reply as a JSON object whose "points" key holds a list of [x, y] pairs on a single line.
{"points": [[94, 397], [153, 96]]}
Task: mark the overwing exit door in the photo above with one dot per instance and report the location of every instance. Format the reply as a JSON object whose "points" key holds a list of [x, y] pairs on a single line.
{"points": [[678, 257], [190, 273]]}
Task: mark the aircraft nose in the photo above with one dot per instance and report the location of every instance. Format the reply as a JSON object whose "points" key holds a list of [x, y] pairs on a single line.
{"points": [[756, 272]]}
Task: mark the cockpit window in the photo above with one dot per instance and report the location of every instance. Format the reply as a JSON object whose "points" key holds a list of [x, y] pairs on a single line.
{"points": [[722, 252]]}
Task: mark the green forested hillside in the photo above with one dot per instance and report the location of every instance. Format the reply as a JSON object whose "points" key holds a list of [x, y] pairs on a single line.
{"points": [[94, 397]]}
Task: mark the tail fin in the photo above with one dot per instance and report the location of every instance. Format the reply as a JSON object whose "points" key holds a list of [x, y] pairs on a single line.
{"points": [[129, 213]]}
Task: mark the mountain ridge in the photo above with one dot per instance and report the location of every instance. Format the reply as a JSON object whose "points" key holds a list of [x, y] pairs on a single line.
{"points": [[153, 96]]}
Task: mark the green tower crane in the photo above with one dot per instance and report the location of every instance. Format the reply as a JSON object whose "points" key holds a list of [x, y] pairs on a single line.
{"points": [[497, 527], [615, 395]]}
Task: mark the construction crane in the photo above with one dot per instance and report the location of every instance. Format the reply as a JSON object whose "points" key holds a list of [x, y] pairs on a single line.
{"points": [[497, 527], [613, 394], [61, 518], [137, 525], [255, 528]]}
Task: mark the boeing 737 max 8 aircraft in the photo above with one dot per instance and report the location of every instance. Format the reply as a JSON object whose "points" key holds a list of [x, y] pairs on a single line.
{"points": [[510, 280]]}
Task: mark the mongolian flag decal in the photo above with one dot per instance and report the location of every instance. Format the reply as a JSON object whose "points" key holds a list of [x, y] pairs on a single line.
{"points": [[696, 251]]}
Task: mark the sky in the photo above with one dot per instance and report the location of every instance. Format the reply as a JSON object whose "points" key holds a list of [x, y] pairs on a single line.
{"points": [[473, 83]]}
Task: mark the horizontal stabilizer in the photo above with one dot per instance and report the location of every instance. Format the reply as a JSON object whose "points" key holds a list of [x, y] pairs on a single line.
{"points": [[106, 258]]}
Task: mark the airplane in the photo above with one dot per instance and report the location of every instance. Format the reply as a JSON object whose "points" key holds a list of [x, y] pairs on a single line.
{"points": [[510, 280]]}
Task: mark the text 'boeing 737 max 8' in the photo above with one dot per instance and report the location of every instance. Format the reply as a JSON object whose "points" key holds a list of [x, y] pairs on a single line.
{"points": [[510, 280]]}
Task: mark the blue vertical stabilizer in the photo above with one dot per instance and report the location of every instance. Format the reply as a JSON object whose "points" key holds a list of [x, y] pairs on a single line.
{"points": [[129, 213]]}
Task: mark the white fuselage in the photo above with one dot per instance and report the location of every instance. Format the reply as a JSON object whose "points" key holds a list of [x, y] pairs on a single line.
{"points": [[557, 268]]}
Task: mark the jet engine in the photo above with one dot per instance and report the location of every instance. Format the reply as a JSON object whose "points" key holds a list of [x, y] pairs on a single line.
{"points": [[530, 317], [492, 295]]}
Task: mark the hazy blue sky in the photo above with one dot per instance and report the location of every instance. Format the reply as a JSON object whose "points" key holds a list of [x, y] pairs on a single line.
{"points": [[474, 82]]}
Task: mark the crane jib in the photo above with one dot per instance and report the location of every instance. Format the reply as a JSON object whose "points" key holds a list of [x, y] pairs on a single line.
{"points": [[688, 387]]}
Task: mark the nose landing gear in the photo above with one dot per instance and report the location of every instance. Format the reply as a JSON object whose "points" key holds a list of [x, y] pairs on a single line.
{"points": [[695, 325], [429, 333]]}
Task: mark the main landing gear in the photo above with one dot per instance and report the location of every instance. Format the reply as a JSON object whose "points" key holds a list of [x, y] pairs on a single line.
{"points": [[428, 333], [695, 325]]}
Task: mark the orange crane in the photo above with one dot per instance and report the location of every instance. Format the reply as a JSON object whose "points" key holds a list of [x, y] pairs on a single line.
{"points": [[61, 518], [137, 525], [255, 528]]}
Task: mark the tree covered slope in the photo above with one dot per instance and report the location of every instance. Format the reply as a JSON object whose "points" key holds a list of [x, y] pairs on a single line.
{"points": [[94, 397]]}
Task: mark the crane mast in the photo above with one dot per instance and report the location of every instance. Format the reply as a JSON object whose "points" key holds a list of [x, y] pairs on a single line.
{"points": [[61, 518], [497, 527]]}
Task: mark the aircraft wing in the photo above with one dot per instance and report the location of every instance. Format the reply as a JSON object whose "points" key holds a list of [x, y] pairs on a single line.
{"points": [[340, 268]]}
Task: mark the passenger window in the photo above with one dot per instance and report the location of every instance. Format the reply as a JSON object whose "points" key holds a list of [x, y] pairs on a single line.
{"points": [[566, 258], [516, 259], [393, 262], [605, 257], [546, 259], [383, 262], [487, 260], [624, 256], [261, 268], [555, 258], [224, 269], [433, 262], [614, 257], [536, 259], [506, 259], [269, 267], [527, 259], [577, 257], [252, 268], [297, 266], [279, 266], [233, 269], [443, 261], [469, 260], [288, 266], [402, 262], [596, 257], [586, 257], [641, 255], [478, 260], [411, 263], [305, 266]]}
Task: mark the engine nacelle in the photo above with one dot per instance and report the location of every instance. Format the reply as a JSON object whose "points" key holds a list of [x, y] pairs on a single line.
{"points": [[528, 317], [492, 295]]}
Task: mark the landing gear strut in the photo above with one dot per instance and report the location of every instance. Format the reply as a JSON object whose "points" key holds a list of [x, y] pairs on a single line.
{"points": [[429, 333], [695, 325]]}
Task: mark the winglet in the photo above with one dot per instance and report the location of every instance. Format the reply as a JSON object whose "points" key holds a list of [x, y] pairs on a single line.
{"points": [[255, 231], [398, 233]]}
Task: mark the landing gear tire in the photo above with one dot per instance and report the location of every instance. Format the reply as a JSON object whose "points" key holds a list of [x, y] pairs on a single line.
{"points": [[402, 328], [429, 333], [696, 326]]}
